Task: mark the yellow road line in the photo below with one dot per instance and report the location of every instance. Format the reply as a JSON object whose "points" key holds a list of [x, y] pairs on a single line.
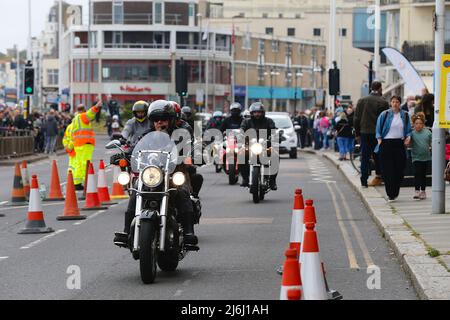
{"points": [[348, 244], [355, 228]]}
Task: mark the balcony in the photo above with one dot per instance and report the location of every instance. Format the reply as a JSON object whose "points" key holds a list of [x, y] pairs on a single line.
{"points": [[138, 19], [389, 2], [421, 51]]}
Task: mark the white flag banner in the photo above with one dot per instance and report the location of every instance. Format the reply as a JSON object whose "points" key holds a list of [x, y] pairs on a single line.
{"points": [[205, 34], [413, 82]]}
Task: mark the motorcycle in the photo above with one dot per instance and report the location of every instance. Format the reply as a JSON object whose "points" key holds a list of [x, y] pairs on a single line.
{"points": [[230, 158], [156, 237], [115, 131], [216, 153], [259, 180]]}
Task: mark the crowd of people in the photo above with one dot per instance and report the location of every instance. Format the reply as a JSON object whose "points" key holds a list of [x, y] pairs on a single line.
{"points": [[389, 133], [45, 127]]}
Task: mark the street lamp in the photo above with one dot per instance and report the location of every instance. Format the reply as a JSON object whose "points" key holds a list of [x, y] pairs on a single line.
{"points": [[272, 73], [298, 74]]}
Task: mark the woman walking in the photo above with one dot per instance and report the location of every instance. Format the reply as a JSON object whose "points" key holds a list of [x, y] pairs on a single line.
{"points": [[393, 132], [421, 154], [344, 135]]}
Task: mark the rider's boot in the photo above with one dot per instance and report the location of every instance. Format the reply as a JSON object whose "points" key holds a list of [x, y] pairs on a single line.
{"points": [[188, 230], [273, 183], [121, 239]]}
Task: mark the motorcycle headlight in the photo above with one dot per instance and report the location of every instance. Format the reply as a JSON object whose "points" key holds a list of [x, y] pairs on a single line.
{"points": [[178, 178], [123, 178], [256, 148], [228, 150], [152, 177]]}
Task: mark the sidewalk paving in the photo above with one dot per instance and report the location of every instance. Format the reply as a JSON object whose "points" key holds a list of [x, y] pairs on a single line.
{"points": [[29, 159], [412, 231]]}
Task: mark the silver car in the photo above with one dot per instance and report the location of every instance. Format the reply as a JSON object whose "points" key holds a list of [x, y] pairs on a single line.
{"points": [[283, 122]]}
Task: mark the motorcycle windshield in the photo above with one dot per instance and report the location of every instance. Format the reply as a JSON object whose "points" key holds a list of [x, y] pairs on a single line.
{"points": [[151, 146]]}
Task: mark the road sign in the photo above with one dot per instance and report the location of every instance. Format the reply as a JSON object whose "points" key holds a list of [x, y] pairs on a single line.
{"points": [[444, 108]]}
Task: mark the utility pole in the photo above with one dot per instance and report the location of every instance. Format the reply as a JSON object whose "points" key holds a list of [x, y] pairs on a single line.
{"points": [[332, 44], [60, 71], [377, 38], [438, 139], [200, 62], [370, 73]]}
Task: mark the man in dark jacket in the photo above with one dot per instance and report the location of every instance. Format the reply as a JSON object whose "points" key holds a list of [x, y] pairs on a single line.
{"points": [[365, 119], [51, 131], [303, 122]]}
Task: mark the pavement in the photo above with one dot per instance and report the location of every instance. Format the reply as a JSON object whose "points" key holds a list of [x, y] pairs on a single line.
{"points": [[420, 240], [29, 159]]}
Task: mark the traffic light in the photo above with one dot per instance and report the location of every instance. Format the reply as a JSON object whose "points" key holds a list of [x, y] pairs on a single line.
{"points": [[334, 83], [28, 81], [181, 78]]}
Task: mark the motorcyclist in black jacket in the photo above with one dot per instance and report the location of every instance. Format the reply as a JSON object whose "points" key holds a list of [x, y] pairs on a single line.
{"points": [[257, 121], [162, 117], [234, 120]]}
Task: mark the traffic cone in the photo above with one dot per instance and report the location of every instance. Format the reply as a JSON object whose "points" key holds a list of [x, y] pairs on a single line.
{"points": [[294, 294], [92, 200], [308, 217], [311, 270], [86, 176], [102, 187], [291, 274], [25, 178], [71, 210], [18, 196], [117, 189], [35, 223], [55, 193], [297, 222]]}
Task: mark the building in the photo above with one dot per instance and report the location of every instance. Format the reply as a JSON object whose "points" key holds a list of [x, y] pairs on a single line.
{"points": [[135, 45], [308, 20], [410, 30]]}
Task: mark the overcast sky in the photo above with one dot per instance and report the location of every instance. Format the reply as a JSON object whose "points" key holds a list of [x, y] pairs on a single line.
{"points": [[14, 20]]}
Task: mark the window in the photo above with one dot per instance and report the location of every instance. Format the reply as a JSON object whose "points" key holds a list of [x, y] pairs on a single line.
{"points": [[343, 32], [117, 12], [298, 16], [52, 77], [280, 15], [291, 32], [241, 15], [275, 46], [136, 71], [269, 30], [158, 13], [81, 71], [316, 32], [265, 15]]}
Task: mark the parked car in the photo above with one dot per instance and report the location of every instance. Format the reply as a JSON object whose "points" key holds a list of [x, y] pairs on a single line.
{"points": [[284, 123]]}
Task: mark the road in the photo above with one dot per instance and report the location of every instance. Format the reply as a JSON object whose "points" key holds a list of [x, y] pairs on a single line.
{"points": [[241, 243]]}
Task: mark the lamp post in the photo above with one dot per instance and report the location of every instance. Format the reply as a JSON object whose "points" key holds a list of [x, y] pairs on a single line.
{"points": [[200, 18], [272, 73], [298, 74]]}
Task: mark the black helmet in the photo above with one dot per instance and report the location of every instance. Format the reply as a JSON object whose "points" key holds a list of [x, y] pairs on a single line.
{"points": [[161, 109], [235, 109], [186, 109], [140, 106]]}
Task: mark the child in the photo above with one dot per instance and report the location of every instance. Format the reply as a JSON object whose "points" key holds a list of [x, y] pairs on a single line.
{"points": [[420, 152]]}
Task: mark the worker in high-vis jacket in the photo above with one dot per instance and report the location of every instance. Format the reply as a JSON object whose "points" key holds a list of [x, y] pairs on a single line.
{"points": [[70, 149], [83, 141]]}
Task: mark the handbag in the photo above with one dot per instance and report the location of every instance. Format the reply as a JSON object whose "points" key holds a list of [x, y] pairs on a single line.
{"points": [[447, 172]]}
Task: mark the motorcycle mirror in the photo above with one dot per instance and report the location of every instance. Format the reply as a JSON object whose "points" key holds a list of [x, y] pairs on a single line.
{"points": [[113, 145], [281, 132]]}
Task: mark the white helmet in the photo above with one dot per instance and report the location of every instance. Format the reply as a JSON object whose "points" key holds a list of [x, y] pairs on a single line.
{"points": [[115, 117]]}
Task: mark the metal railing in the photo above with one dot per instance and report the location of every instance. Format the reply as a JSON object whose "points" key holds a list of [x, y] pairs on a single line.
{"points": [[137, 18], [389, 2], [137, 45]]}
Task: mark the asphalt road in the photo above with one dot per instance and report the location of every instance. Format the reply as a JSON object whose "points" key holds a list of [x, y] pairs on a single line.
{"points": [[241, 243]]}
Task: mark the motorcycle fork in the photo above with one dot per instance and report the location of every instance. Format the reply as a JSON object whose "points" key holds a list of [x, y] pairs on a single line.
{"points": [[137, 215], [163, 212]]}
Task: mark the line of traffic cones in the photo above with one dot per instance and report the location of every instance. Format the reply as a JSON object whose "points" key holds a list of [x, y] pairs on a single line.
{"points": [[102, 186], [92, 199], [303, 271], [55, 193]]}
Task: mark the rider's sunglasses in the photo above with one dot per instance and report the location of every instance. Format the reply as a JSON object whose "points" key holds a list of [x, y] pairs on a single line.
{"points": [[157, 119]]}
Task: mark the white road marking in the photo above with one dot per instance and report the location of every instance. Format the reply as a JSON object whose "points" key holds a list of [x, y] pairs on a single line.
{"points": [[96, 214], [3, 202], [58, 203], [3, 258], [32, 244], [178, 293]]}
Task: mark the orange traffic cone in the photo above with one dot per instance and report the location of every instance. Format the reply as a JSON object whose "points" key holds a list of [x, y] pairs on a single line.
{"points": [[291, 274], [294, 294], [297, 222], [92, 200], [309, 217], [117, 189], [35, 223], [55, 193], [311, 270], [71, 210], [18, 196], [25, 178], [102, 187]]}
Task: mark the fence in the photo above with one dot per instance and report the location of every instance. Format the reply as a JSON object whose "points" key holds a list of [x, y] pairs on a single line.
{"points": [[19, 143]]}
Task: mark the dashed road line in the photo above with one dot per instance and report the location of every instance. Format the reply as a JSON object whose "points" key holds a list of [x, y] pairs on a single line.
{"points": [[3, 258], [32, 244]]}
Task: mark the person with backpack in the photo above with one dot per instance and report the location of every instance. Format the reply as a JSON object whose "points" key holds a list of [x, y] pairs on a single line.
{"points": [[393, 133]]}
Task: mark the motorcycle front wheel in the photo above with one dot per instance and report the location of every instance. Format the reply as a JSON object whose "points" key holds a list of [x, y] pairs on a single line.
{"points": [[148, 252], [232, 177], [256, 184]]}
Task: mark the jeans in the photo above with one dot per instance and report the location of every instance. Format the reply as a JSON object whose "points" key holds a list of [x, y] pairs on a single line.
{"points": [[317, 139], [50, 142], [345, 145], [368, 144]]}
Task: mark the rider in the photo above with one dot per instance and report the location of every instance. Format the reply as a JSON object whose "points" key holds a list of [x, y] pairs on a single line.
{"points": [[257, 121], [136, 126], [216, 121], [186, 115], [234, 120], [162, 118]]}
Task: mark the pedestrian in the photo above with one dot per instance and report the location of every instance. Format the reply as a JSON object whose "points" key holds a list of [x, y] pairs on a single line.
{"points": [[420, 153], [393, 133], [83, 141], [316, 130], [426, 106], [349, 112], [324, 127], [344, 136], [364, 120], [303, 122], [51, 132]]}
